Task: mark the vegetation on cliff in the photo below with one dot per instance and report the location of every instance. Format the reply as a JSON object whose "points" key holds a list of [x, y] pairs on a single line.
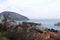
{"points": [[10, 30]]}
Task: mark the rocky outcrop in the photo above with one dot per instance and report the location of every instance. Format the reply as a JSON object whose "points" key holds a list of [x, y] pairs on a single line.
{"points": [[26, 31], [58, 24], [13, 16]]}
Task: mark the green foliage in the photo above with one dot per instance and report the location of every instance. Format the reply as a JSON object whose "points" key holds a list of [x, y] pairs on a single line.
{"points": [[3, 38]]}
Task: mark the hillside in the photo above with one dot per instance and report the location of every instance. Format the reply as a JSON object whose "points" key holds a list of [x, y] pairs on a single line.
{"points": [[13, 16]]}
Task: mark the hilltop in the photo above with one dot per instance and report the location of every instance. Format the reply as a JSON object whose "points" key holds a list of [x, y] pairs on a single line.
{"points": [[13, 16]]}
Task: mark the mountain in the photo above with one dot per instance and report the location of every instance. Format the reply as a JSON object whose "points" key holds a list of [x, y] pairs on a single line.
{"points": [[14, 16]]}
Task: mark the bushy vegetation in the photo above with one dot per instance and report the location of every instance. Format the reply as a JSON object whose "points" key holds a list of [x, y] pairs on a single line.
{"points": [[3, 38], [14, 32], [25, 31]]}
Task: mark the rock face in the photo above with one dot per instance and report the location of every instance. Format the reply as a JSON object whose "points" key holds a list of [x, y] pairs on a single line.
{"points": [[58, 24], [13, 16]]}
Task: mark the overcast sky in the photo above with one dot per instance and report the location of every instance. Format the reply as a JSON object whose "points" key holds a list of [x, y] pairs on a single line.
{"points": [[40, 9]]}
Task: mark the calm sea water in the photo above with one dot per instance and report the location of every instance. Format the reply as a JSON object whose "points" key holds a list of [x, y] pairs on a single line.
{"points": [[47, 23]]}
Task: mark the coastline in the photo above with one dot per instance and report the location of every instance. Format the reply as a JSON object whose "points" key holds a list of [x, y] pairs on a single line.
{"points": [[27, 31], [30, 28]]}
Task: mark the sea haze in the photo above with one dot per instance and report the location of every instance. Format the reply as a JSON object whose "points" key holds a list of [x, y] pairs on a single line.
{"points": [[47, 23]]}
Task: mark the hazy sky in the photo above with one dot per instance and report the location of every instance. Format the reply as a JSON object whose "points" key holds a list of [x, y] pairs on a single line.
{"points": [[39, 9]]}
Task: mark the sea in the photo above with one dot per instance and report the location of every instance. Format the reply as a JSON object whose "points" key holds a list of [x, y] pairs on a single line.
{"points": [[47, 23]]}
